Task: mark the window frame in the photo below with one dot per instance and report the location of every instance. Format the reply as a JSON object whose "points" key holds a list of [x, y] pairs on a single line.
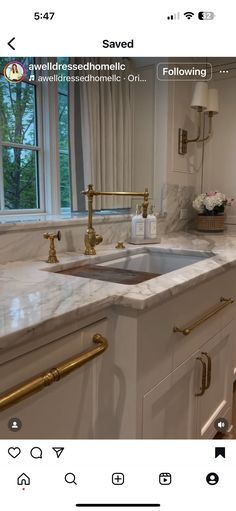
{"points": [[38, 148], [48, 150]]}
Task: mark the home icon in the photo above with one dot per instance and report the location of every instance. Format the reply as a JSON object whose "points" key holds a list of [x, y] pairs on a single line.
{"points": [[23, 479]]}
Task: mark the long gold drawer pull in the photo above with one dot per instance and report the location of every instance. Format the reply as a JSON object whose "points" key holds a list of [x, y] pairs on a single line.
{"points": [[224, 302], [204, 373], [40, 381], [209, 364]]}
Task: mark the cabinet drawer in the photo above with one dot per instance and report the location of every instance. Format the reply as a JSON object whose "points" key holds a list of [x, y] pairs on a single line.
{"points": [[194, 306], [186, 404], [64, 409], [160, 349]]}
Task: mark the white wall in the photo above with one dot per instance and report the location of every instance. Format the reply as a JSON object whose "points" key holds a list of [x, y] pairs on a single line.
{"points": [[183, 169], [220, 150], [160, 109]]}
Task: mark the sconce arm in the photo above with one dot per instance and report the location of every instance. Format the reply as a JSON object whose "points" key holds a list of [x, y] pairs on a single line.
{"points": [[196, 139], [204, 139]]}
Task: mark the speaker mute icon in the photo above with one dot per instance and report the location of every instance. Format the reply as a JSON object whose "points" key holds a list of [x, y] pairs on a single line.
{"points": [[175, 16]]}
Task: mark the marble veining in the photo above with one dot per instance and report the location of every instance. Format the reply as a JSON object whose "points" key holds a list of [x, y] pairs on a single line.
{"points": [[34, 299], [21, 236], [179, 197], [25, 241]]}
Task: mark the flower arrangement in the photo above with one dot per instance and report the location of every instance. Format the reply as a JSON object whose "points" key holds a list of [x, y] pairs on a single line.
{"points": [[211, 203]]}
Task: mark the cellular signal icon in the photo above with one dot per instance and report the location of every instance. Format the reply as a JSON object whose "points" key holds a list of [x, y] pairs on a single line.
{"points": [[175, 16]]}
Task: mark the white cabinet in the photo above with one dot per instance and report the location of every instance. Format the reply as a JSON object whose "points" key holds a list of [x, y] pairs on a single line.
{"points": [[187, 402], [145, 384], [234, 361], [217, 399], [169, 409], [68, 408]]}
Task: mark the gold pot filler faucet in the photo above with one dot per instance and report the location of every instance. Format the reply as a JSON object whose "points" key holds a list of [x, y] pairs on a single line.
{"points": [[91, 238]]}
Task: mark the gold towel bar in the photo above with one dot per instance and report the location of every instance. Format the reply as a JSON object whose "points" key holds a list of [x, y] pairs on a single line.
{"points": [[40, 381], [208, 315]]}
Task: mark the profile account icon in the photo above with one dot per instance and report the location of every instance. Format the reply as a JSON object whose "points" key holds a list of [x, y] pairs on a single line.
{"points": [[14, 71]]}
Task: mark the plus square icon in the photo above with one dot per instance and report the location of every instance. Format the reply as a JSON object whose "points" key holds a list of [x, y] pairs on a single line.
{"points": [[118, 478]]}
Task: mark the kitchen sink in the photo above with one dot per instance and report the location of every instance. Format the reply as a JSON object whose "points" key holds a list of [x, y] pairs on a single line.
{"points": [[158, 260], [136, 266]]}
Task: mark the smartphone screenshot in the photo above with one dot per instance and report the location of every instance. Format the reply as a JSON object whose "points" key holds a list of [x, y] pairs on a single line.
{"points": [[117, 256]]}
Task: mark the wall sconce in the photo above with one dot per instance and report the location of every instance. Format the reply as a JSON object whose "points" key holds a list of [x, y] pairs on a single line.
{"points": [[205, 101]]}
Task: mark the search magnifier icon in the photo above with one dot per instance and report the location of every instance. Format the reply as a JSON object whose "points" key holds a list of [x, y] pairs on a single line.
{"points": [[70, 478]]}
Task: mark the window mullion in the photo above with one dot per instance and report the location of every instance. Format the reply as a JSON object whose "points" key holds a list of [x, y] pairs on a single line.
{"points": [[40, 143], [21, 146], [51, 147]]}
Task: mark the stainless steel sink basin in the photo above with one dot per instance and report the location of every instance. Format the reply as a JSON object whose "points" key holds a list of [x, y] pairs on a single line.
{"points": [[158, 260]]}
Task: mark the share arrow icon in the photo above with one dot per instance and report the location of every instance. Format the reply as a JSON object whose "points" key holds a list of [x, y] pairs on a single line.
{"points": [[58, 451]]}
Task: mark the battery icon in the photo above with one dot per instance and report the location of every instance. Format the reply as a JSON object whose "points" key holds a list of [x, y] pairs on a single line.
{"points": [[206, 15]]}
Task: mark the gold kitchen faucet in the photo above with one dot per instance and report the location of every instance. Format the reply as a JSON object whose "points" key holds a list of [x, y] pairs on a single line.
{"points": [[91, 238]]}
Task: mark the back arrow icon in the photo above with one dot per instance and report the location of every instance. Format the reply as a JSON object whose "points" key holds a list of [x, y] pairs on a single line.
{"points": [[9, 43]]}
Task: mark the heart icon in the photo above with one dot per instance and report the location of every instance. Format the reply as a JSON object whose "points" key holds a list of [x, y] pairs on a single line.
{"points": [[14, 451]]}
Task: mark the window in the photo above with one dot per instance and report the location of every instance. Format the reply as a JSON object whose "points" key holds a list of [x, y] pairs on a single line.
{"points": [[19, 149], [25, 158], [42, 129]]}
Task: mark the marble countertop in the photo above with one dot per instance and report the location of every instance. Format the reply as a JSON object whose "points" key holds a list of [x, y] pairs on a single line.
{"points": [[32, 298]]}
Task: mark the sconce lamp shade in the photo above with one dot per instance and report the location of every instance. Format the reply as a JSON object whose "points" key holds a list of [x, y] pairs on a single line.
{"points": [[213, 102], [200, 96]]}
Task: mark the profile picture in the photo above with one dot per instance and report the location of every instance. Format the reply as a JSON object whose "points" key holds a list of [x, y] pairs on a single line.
{"points": [[14, 71]]}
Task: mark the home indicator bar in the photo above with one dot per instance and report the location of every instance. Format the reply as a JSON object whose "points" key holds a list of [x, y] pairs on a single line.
{"points": [[118, 505]]}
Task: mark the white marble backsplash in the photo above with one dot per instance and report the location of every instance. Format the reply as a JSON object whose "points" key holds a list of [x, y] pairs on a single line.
{"points": [[176, 198], [24, 240], [20, 242]]}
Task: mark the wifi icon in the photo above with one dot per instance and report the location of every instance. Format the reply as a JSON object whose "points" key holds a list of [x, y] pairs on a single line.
{"points": [[189, 14]]}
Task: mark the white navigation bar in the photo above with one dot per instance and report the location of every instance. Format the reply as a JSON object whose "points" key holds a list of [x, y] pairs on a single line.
{"points": [[124, 27]]}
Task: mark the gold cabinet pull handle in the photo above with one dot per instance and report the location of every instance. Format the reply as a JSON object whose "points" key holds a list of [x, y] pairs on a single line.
{"points": [[209, 366], [224, 302], [204, 374], [40, 381]]}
